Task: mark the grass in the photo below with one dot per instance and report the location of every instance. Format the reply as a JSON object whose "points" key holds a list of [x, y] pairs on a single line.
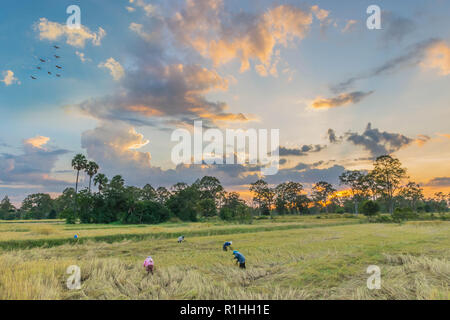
{"points": [[320, 262], [55, 235]]}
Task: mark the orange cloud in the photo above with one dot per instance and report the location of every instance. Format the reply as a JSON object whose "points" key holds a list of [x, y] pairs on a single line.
{"points": [[145, 110], [341, 100], [37, 142], [422, 139], [438, 57], [445, 135], [200, 27]]}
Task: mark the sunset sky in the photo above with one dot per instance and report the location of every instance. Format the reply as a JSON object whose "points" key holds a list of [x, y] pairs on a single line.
{"points": [[340, 94]]}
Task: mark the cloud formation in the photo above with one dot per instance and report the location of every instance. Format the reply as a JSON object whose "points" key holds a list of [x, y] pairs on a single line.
{"points": [[438, 57], [223, 37], [340, 100], [9, 78], [396, 28], [37, 142], [76, 37], [115, 68], [301, 151], [414, 56], [332, 136], [32, 167], [116, 145], [439, 182], [377, 142]]}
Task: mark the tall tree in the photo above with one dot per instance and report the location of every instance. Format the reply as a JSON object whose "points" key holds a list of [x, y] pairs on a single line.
{"points": [[101, 180], [162, 195], [37, 206], [412, 192], [79, 163], [388, 173], [148, 193], [210, 188], [263, 195], [287, 196], [91, 170], [356, 180], [321, 193], [7, 209]]}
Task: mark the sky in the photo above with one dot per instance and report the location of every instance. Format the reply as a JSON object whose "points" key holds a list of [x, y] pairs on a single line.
{"points": [[340, 94]]}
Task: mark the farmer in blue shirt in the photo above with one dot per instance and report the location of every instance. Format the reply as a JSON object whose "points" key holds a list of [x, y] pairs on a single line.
{"points": [[226, 245], [239, 259]]}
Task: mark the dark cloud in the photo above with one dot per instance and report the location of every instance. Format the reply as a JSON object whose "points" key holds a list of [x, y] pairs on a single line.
{"points": [[31, 168], [308, 175], [340, 100], [396, 28], [302, 151], [413, 56], [332, 136], [377, 142], [439, 182]]}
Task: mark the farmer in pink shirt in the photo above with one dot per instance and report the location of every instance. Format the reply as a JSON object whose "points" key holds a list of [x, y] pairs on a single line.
{"points": [[148, 265]]}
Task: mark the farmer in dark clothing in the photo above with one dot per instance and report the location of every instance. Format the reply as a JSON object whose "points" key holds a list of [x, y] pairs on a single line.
{"points": [[239, 259], [226, 245]]}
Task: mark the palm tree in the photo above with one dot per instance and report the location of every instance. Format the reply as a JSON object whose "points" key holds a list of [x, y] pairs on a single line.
{"points": [[101, 180], [91, 170], [79, 162]]}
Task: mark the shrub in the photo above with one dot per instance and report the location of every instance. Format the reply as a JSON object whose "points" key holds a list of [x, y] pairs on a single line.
{"points": [[69, 215], [370, 208], [401, 214], [382, 219]]}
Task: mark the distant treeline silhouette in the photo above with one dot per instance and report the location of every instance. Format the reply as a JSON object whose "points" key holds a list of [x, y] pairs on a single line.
{"points": [[384, 189]]}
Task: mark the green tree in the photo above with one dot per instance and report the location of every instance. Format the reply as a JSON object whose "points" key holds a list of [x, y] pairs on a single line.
{"points": [[101, 180], [148, 193], [7, 209], [263, 196], [79, 163], [370, 208], [91, 170], [162, 195], [287, 196], [388, 174], [321, 193], [210, 188], [356, 181], [65, 200], [37, 206], [413, 193], [184, 203]]}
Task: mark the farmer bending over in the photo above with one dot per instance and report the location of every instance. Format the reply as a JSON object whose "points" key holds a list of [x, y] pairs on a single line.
{"points": [[239, 259], [148, 265], [180, 239], [226, 245]]}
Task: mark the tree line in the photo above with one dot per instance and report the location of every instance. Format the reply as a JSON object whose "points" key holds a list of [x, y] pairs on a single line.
{"points": [[385, 188]]}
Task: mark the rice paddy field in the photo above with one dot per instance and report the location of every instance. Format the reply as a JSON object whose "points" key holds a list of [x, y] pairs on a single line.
{"points": [[291, 257]]}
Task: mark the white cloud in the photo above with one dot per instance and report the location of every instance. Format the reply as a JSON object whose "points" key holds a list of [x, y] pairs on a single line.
{"points": [[115, 68], [8, 78], [138, 28], [75, 37], [349, 26], [82, 56]]}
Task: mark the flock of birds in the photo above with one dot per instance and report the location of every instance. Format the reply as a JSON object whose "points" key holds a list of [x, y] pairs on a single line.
{"points": [[47, 63]]}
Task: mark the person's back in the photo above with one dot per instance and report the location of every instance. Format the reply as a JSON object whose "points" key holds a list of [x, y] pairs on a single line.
{"points": [[239, 259], [226, 245], [149, 264]]}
